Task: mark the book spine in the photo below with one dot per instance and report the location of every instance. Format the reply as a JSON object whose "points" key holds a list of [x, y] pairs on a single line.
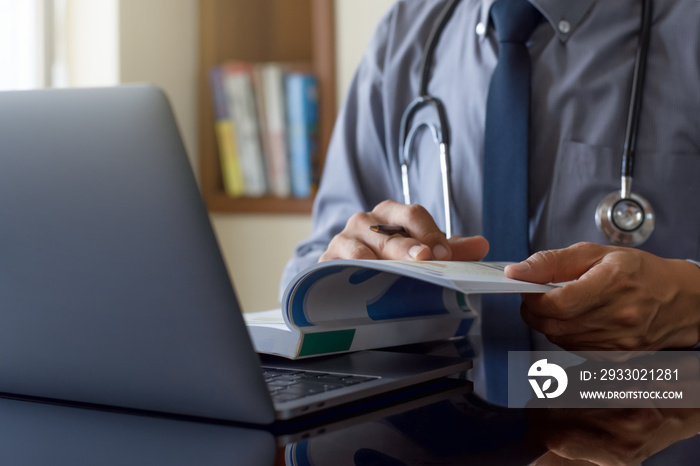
{"points": [[311, 114], [329, 342], [241, 103], [234, 184], [271, 94], [380, 334], [302, 126]]}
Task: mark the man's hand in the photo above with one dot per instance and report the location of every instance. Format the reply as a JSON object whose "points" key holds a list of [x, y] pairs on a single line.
{"points": [[609, 436], [426, 241], [618, 298]]}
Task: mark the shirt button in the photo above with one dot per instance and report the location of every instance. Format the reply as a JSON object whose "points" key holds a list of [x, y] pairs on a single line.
{"points": [[481, 29], [564, 26]]}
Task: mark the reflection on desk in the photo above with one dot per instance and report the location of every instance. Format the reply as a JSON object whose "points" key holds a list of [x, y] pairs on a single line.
{"points": [[43, 434], [456, 431], [459, 431], [649, 436]]}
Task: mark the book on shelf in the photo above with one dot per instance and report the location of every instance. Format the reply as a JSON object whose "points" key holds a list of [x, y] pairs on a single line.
{"points": [[268, 84], [241, 105], [302, 129], [266, 128], [234, 184], [350, 305]]}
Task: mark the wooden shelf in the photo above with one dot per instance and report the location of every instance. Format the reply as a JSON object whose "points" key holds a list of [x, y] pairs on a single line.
{"points": [[259, 31], [220, 202]]}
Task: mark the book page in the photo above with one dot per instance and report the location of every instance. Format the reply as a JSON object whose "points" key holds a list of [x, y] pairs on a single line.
{"points": [[467, 277], [481, 271], [356, 292], [350, 296], [272, 318]]}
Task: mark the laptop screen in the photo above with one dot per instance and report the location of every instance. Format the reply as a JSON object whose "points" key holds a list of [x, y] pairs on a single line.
{"points": [[112, 287]]}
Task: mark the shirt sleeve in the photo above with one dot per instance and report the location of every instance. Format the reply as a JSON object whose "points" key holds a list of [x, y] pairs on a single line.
{"points": [[356, 175]]}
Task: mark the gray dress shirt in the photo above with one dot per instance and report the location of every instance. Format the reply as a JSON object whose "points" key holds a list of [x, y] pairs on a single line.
{"points": [[582, 62]]}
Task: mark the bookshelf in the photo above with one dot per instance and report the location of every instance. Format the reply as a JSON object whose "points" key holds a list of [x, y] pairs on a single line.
{"points": [[257, 31]]}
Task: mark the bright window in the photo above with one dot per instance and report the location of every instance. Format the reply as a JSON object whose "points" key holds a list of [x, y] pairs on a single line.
{"points": [[58, 43], [21, 44]]}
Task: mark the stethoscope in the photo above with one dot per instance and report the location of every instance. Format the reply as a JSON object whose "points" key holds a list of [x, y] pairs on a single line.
{"points": [[624, 217]]}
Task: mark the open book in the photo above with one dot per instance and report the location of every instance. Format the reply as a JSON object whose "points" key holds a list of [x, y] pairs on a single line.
{"points": [[349, 305]]}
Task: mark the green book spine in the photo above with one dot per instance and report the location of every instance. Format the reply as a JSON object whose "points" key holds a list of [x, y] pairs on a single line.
{"points": [[326, 342]]}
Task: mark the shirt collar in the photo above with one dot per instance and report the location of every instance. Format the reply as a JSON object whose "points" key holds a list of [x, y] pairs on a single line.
{"points": [[563, 15]]}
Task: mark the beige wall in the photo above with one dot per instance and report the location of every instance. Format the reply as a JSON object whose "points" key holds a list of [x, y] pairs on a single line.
{"points": [[256, 249], [158, 44], [355, 21]]}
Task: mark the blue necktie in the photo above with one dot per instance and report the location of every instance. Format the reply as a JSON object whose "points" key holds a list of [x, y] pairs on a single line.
{"points": [[505, 213], [505, 200]]}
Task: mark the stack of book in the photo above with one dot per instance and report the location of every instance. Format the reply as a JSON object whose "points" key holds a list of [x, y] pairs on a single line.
{"points": [[266, 128]]}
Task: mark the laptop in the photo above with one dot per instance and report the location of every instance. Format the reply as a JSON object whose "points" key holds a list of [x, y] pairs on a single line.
{"points": [[113, 290]]}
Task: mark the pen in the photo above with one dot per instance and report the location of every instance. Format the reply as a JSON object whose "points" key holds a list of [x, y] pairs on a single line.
{"points": [[390, 230]]}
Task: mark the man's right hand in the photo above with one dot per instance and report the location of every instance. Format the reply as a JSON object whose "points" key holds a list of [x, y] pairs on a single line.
{"points": [[426, 241]]}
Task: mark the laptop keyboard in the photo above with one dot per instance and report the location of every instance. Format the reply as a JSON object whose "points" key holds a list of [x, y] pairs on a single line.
{"points": [[287, 385]]}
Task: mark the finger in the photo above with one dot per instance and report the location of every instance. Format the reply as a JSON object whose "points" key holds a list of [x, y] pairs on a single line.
{"points": [[418, 223], [402, 248], [571, 299], [344, 247], [473, 248], [582, 263], [570, 303], [383, 246], [560, 265]]}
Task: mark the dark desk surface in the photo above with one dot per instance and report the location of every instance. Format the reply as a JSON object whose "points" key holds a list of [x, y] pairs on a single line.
{"points": [[457, 430]]}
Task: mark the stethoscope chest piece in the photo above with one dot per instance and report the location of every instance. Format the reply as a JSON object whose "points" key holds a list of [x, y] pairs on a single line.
{"points": [[624, 217], [625, 221]]}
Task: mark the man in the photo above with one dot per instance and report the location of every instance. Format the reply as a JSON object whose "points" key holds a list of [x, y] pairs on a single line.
{"points": [[582, 58]]}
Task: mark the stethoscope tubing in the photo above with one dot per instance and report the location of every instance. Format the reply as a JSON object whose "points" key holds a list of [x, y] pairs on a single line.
{"points": [[632, 128], [605, 218], [441, 133]]}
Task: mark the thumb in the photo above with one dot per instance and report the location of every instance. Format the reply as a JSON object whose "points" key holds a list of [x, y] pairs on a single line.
{"points": [[558, 265], [472, 248]]}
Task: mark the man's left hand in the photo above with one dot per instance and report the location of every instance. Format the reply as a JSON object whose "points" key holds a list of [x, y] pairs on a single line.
{"points": [[616, 299]]}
